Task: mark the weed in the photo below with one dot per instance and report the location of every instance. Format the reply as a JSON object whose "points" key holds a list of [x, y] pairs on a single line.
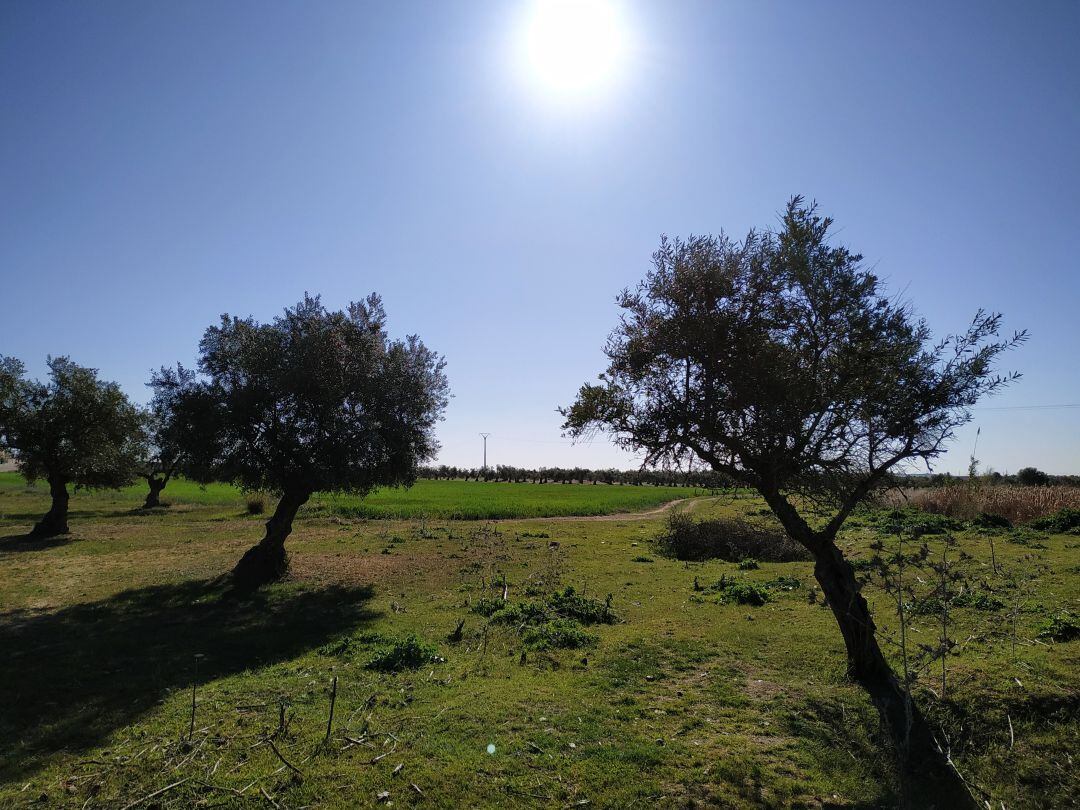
{"points": [[1063, 627], [347, 646], [409, 652], [571, 605], [557, 634], [1024, 536], [739, 591], [520, 613], [786, 583], [555, 622]]}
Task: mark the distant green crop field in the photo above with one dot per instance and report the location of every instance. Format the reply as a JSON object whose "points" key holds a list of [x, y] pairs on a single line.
{"points": [[474, 500], [465, 500]]}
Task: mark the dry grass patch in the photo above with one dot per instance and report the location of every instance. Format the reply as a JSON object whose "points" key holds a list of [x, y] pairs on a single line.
{"points": [[1018, 504]]}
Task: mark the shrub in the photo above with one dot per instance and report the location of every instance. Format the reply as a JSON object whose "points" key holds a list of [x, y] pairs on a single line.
{"points": [[409, 652], [642, 559], [914, 522], [488, 606], [256, 504], [749, 564], [988, 520], [931, 605], [730, 540], [1063, 521]]}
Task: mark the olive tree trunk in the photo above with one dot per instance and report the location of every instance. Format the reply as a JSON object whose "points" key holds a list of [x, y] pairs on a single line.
{"points": [[55, 520], [926, 769], [268, 562], [156, 485]]}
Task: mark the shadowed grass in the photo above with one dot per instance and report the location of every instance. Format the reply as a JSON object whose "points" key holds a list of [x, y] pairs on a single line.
{"points": [[72, 676]]}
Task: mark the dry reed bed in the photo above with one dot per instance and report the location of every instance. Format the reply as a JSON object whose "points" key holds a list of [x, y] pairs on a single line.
{"points": [[965, 501]]}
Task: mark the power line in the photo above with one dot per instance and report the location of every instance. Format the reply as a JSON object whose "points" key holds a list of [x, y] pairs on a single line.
{"points": [[588, 442], [1024, 407]]}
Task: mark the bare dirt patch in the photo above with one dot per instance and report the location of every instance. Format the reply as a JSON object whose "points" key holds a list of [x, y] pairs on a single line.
{"points": [[346, 568]]}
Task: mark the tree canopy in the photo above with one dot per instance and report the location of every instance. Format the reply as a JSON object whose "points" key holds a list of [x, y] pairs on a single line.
{"points": [[313, 401], [1032, 477], [166, 427], [72, 430], [779, 361]]}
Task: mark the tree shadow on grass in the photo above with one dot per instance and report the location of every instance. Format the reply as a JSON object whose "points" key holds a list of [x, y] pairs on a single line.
{"points": [[840, 743], [27, 542], [71, 677], [79, 515]]}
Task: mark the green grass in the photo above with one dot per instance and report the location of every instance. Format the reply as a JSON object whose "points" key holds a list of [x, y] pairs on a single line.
{"points": [[688, 699], [463, 500]]}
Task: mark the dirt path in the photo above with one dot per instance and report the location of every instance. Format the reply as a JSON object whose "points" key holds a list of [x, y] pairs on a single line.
{"points": [[691, 503]]}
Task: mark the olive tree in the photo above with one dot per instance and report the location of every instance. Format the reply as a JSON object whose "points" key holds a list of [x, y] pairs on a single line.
{"points": [[72, 431], [165, 428], [315, 401], [779, 361]]}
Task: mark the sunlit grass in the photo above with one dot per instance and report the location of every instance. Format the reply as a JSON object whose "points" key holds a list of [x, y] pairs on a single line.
{"points": [[689, 698]]}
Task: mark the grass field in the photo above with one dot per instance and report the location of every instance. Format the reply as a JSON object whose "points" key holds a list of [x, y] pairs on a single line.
{"points": [[684, 701], [463, 500]]}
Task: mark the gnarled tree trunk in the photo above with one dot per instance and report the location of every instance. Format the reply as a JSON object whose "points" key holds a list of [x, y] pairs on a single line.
{"points": [[156, 485], [929, 776], [55, 520], [268, 562]]}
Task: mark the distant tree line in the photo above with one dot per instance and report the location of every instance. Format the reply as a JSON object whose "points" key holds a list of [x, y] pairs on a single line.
{"points": [[1025, 476], [701, 479]]}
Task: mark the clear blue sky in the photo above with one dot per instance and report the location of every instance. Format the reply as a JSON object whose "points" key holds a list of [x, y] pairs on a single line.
{"points": [[162, 163]]}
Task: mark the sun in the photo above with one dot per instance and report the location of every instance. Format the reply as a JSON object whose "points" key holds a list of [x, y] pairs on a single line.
{"points": [[574, 47]]}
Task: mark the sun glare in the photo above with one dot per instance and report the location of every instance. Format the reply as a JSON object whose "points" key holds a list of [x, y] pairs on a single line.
{"points": [[574, 47]]}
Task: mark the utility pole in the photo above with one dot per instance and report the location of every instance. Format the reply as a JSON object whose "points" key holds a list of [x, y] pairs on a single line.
{"points": [[485, 437]]}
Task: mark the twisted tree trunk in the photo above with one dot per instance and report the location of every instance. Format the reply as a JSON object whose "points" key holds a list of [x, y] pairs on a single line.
{"points": [[156, 486], [55, 520], [268, 562], [929, 776]]}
